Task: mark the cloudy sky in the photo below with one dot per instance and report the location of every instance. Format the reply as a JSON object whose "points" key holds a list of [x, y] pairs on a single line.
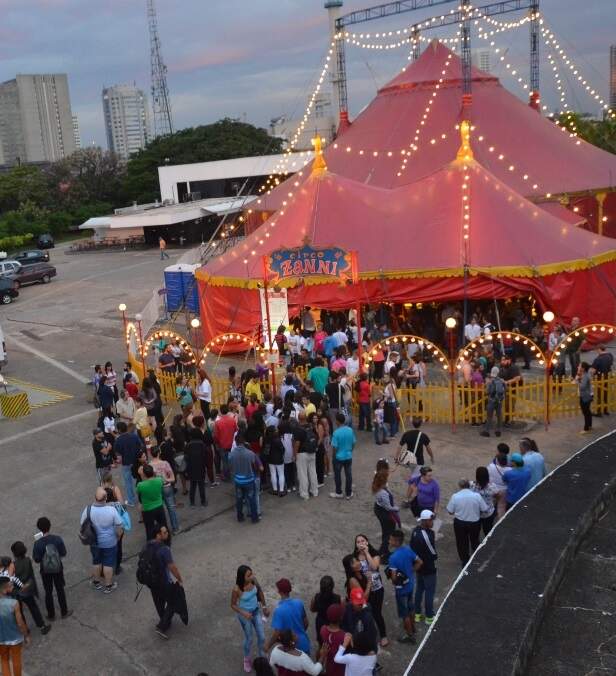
{"points": [[258, 58]]}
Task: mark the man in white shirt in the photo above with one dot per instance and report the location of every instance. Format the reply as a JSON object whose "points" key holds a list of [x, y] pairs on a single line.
{"points": [[341, 338], [496, 470], [295, 343], [352, 365], [472, 331], [466, 507]]}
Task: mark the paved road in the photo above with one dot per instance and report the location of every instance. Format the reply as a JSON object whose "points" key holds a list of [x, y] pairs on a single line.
{"points": [[55, 333]]}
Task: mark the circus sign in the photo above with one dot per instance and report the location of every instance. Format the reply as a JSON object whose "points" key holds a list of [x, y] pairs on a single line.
{"points": [[307, 261]]}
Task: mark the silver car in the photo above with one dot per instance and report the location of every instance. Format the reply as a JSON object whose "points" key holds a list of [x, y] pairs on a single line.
{"points": [[8, 268]]}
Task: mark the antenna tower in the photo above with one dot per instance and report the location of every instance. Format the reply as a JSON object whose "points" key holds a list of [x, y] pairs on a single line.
{"points": [[161, 103]]}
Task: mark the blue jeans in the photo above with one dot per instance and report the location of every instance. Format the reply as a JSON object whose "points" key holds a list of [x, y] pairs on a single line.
{"points": [[339, 465], [257, 495], [169, 498], [364, 417], [426, 585], [129, 484], [381, 434], [255, 624], [246, 492]]}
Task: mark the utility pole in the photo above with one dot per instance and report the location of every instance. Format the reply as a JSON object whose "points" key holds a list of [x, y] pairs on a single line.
{"points": [[161, 103]]}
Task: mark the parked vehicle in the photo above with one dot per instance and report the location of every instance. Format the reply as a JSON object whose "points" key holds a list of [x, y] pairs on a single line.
{"points": [[8, 291], [3, 357], [34, 256], [9, 267], [45, 241], [37, 272]]}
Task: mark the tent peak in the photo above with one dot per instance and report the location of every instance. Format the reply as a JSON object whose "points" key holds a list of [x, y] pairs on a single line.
{"points": [[319, 167], [465, 152]]}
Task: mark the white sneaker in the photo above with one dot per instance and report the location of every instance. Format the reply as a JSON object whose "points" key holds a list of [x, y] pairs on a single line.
{"points": [[348, 497], [320, 485], [339, 496]]}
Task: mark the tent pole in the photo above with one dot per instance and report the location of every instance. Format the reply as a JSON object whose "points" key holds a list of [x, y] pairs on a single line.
{"points": [[269, 324]]}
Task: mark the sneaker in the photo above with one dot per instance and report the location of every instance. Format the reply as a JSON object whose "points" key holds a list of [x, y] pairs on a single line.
{"points": [[45, 629], [320, 485], [96, 584], [247, 665], [67, 614], [338, 496], [162, 634], [348, 497], [405, 638], [214, 483], [483, 433], [429, 620], [293, 489], [497, 433], [419, 617], [110, 588]]}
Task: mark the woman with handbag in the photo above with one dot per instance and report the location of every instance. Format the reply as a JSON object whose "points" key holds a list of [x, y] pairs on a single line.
{"points": [[390, 396], [184, 395], [424, 492], [385, 511]]}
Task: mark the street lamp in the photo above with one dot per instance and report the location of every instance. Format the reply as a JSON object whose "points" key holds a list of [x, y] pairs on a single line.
{"points": [[451, 324], [122, 309], [548, 316], [138, 318], [195, 323]]}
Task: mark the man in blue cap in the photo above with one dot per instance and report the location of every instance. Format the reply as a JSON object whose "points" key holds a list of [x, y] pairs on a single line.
{"points": [[517, 480]]}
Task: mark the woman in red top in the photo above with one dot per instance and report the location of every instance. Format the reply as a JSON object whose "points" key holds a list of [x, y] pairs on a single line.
{"points": [[332, 637], [363, 397]]}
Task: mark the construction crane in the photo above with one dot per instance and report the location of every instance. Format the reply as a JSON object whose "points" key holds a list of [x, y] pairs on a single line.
{"points": [[161, 103]]}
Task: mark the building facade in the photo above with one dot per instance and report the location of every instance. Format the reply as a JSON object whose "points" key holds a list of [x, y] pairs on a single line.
{"points": [[36, 122], [126, 119], [76, 132]]}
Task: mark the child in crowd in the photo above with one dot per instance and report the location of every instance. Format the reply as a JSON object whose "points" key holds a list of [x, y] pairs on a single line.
{"points": [[381, 433]]}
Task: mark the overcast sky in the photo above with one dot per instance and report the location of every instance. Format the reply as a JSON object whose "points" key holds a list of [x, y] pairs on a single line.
{"points": [[254, 57]]}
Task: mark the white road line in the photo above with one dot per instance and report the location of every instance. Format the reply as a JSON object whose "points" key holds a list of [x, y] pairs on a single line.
{"points": [[35, 430], [49, 360]]}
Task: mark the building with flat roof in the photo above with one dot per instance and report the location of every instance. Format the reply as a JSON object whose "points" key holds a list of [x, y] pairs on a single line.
{"points": [[36, 121], [76, 132], [125, 109]]}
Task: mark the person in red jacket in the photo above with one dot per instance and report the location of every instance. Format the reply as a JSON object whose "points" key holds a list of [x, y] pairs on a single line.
{"points": [[363, 397], [225, 428]]}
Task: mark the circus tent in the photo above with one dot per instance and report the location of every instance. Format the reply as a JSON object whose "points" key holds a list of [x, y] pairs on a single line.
{"points": [[458, 231], [409, 131]]}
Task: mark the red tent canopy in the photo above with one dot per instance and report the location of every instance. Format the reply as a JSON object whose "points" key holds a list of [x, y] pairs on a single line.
{"points": [[410, 246], [535, 147]]}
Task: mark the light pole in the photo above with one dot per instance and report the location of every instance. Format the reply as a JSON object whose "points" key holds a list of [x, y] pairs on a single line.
{"points": [[122, 309], [140, 333], [451, 324], [195, 323], [548, 318]]}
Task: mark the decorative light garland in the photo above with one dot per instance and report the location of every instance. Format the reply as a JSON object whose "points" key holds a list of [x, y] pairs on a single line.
{"points": [[413, 147], [221, 340], [563, 101], [550, 38], [583, 330], [509, 335], [157, 335], [401, 341]]}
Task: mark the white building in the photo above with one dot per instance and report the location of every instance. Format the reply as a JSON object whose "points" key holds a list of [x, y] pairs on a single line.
{"points": [[482, 59], [321, 120], [76, 132], [36, 122], [126, 119]]}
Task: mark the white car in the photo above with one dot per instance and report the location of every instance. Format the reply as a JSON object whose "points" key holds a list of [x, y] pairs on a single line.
{"points": [[8, 268]]}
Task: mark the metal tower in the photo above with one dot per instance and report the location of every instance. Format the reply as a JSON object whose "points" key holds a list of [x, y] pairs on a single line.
{"points": [[161, 103]]}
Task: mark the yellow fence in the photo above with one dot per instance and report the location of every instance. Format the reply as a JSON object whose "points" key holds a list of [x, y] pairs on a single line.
{"points": [[433, 402]]}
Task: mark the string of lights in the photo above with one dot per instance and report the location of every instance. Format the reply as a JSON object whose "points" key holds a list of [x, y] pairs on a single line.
{"points": [[551, 40], [569, 124], [413, 144]]}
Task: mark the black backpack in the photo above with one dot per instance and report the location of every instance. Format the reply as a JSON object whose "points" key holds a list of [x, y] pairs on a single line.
{"points": [[149, 570], [87, 534], [311, 443]]}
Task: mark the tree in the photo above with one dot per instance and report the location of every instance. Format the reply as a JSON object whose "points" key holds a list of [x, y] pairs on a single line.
{"points": [[223, 140], [23, 184], [601, 133]]}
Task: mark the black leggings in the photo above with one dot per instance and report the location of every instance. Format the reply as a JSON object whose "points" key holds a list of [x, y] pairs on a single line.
{"points": [[376, 603], [30, 601], [387, 528]]}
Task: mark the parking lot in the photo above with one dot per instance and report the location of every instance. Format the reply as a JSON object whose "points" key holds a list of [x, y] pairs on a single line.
{"points": [[54, 334]]}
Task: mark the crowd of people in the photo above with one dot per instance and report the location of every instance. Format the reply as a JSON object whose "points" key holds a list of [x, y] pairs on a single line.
{"points": [[288, 441]]}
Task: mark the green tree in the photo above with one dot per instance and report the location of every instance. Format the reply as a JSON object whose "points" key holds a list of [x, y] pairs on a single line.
{"points": [[601, 133], [223, 140], [23, 184]]}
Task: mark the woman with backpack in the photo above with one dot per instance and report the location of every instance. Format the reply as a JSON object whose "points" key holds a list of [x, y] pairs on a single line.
{"points": [[28, 594], [495, 391]]}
